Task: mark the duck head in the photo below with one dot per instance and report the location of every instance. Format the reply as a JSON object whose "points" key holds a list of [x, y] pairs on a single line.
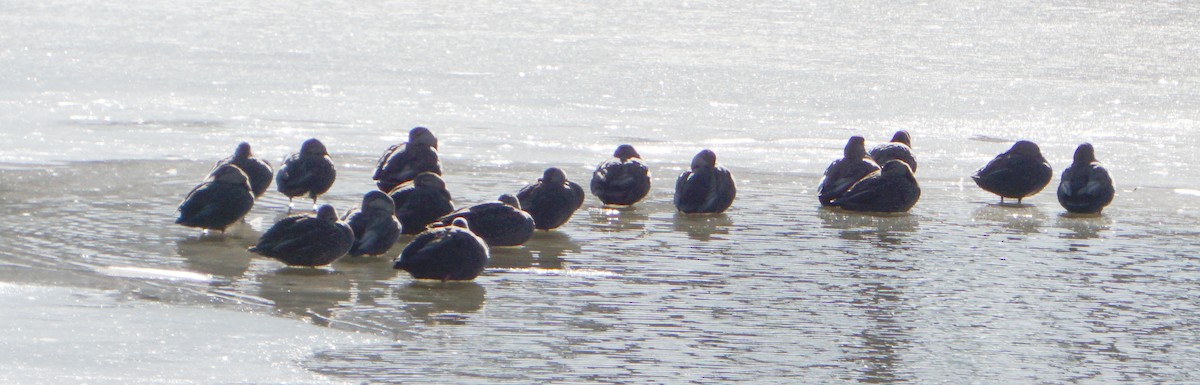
{"points": [[242, 151], [896, 167], [511, 201], [230, 174], [902, 137], [1025, 147], [429, 179], [313, 147], [1085, 154], [327, 213], [422, 136], [554, 175], [856, 148], [706, 158], [624, 152], [378, 201]]}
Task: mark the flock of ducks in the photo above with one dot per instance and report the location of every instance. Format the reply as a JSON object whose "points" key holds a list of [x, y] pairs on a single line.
{"points": [[453, 245]]}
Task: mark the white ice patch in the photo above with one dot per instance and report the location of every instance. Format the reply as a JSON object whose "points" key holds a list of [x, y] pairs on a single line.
{"points": [[58, 335], [149, 273], [1187, 191]]}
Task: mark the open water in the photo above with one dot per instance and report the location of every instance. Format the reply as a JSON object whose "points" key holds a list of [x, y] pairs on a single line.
{"points": [[111, 113]]}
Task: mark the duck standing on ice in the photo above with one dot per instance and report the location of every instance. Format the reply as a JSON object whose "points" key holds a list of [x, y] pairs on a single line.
{"points": [[305, 240], [500, 223], [843, 173], [403, 162], [1086, 187], [552, 200], [893, 189], [375, 225], [308, 172], [622, 180], [707, 188], [1019, 173], [900, 148], [446, 253], [258, 170], [223, 198]]}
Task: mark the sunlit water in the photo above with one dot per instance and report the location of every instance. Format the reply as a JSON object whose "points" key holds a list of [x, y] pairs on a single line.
{"points": [[110, 114]]}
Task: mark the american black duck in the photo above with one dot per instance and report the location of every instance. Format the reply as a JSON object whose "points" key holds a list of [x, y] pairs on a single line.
{"points": [[403, 162], [445, 253], [306, 240], [552, 200], [622, 180], [1086, 187], [1018, 173], [500, 223], [707, 188]]}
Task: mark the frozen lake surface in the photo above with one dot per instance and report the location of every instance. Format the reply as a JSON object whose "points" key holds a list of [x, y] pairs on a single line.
{"points": [[110, 114]]}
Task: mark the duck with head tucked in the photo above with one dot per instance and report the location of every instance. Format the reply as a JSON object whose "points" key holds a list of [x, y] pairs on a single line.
{"points": [[305, 240], [308, 172], [403, 162], [445, 253], [552, 200], [375, 225], [707, 188], [1019, 173], [258, 170], [899, 148], [421, 201], [622, 180], [501, 223], [893, 189], [1086, 187], [223, 198], [843, 173]]}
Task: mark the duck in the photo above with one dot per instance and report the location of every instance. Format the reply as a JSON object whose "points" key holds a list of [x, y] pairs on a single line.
{"points": [[622, 180], [308, 172], [707, 188], [258, 170], [1019, 173], [899, 148], [403, 162], [1086, 187], [892, 189], [500, 223], [306, 240], [552, 200], [375, 225], [222, 199], [842, 173], [445, 253], [421, 201]]}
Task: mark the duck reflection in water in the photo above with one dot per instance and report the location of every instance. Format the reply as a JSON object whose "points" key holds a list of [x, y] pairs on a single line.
{"points": [[1024, 219], [616, 219], [888, 229], [878, 347], [308, 293], [369, 278], [550, 247], [441, 302], [517, 257], [703, 227], [1082, 226], [222, 257]]}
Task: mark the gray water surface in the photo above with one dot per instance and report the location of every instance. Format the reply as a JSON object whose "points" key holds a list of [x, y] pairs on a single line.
{"points": [[111, 113]]}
